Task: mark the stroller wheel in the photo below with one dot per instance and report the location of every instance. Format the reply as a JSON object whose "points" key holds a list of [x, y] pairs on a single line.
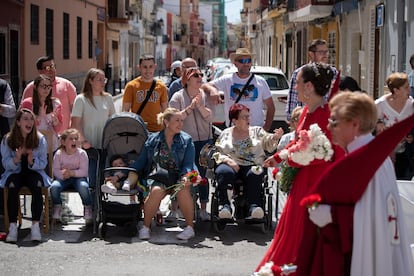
{"points": [[101, 230], [219, 226]]}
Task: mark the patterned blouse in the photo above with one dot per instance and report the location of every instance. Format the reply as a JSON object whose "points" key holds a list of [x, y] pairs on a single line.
{"points": [[246, 152]]}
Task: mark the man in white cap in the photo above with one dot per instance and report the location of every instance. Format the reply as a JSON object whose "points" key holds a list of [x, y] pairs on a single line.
{"points": [[175, 72], [253, 95]]}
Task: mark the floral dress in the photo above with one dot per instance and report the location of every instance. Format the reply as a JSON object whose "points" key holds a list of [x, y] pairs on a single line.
{"points": [[165, 159]]}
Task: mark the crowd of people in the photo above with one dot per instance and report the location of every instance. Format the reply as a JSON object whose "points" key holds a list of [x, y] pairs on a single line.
{"points": [[332, 222]]}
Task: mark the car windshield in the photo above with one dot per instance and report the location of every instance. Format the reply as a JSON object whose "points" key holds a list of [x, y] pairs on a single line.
{"points": [[275, 82]]}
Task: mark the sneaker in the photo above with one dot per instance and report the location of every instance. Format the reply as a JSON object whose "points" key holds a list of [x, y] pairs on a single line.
{"points": [[87, 213], [108, 188], [172, 216], [12, 235], [204, 216], [225, 212], [126, 186], [144, 233], [256, 212], [35, 232], [57, 211], [187, 233]]}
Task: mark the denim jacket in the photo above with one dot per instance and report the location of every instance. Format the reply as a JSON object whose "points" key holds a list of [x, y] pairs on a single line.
{"points": [[39, 165], [182, 149]]}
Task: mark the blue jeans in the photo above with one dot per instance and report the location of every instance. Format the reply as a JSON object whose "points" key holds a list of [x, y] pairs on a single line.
{"points": [[252, 183], [202, 190], [80, 184]]}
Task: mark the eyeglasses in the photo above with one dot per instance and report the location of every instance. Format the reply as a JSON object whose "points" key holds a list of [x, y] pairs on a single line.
{"points": [[198, 75], [322, 52], [105, 80], [45, 86], [244, 60], [333, 122], [244, 117], [49, 67]]}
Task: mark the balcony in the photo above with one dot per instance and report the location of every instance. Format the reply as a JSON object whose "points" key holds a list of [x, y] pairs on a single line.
{"points": [[309, 10]]}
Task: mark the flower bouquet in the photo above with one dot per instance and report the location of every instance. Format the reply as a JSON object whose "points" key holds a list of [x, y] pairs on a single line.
{"points": [[311, 145], [191, 178], [270, 269]]}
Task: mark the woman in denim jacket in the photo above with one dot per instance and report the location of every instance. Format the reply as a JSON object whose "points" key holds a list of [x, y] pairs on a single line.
{"points": [[24, 158], [173, 150]]}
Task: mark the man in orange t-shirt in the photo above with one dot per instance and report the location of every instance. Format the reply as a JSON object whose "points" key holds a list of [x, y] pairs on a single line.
{"points": [[137, 89]]}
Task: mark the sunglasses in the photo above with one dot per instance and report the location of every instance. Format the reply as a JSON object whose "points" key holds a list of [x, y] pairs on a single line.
{"points": [[244, 60], [198, 75], [45, 86], [49, 67]]}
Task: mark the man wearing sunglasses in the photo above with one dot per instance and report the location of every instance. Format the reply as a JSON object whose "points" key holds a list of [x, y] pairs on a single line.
{"points": [[318, 52], [256, 94], [62, 88]]}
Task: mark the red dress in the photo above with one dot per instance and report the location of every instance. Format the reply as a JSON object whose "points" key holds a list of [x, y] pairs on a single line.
{"points": [[287, 237]]}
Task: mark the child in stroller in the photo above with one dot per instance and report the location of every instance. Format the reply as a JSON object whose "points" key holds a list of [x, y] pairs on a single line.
{"points": [[116, 179]]}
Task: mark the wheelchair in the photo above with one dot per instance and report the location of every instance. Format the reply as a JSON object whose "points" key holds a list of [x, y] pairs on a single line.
{"points": [[238, 197]]}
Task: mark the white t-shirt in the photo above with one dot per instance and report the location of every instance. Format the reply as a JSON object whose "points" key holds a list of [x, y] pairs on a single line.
{"points": [[256, 92], [389, 115]]}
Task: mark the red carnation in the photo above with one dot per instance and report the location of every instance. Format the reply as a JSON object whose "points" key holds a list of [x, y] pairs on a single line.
{"points": [[274, 172], [311, 200]]}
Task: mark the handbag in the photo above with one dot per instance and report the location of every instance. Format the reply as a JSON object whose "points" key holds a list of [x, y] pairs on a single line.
{"points": [[161, 175]]}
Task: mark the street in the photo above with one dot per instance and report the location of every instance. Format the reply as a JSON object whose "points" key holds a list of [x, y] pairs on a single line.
{"points": [[73, 250]]}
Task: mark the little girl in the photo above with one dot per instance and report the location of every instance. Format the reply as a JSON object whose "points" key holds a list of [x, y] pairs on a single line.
{"points": [[70, 168]]}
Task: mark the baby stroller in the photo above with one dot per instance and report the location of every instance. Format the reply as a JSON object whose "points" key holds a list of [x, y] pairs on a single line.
{"points": [[238, 197], [125, 133]]}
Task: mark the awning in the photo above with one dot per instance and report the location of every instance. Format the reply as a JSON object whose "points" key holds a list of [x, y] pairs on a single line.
{"points": [[310, 13]]}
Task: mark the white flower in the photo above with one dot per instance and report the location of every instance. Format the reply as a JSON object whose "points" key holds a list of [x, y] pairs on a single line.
{"points": [[265, 270], [257, 170]]}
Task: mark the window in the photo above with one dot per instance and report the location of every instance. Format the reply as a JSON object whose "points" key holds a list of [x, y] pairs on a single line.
{"points": [[34, 24], [49, 32], [65, 35], [79, 37], [90, 39], [2, 53]]}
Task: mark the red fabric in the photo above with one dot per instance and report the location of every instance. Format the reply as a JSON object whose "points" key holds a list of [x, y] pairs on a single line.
{"points": [[285, 244], [335, 86], [340, 188]]}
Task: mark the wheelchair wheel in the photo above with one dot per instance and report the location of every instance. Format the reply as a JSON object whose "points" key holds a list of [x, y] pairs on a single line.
{"points": [[101, 230], [269, 215]]}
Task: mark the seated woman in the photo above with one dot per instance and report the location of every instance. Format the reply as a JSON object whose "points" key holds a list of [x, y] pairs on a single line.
{"points": [[240, 148], [173, 150], [24, 158]]}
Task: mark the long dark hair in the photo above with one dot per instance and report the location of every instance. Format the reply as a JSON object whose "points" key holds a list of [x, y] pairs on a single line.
{"points": [[36, 98], [15, 138]]}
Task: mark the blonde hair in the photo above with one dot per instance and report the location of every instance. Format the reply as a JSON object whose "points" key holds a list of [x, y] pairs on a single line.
{"points": [[65, 134], [166, 115], [356, 106]]}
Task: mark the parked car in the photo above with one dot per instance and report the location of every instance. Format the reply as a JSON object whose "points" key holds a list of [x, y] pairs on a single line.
{"points": [[279, 88]]}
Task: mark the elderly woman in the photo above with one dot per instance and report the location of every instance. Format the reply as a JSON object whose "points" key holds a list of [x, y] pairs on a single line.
{"points": [[241, 147], [173, 150], [197, 113], [360, 227], [313, 82]]}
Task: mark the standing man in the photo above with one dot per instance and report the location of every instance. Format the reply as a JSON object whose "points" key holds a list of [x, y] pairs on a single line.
{"points": [[62, 88], [176, 85], [318, 52], [411, 76], [256, 94], [136, 92]]}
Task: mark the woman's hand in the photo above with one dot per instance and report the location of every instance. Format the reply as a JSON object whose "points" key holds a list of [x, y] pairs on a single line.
{"points": [[270, 162], [231, 163], [18, 156], [278, 133], [30, 159]]}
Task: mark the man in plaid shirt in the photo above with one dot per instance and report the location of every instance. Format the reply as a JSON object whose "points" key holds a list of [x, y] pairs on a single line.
{"points": [[318, 52]]}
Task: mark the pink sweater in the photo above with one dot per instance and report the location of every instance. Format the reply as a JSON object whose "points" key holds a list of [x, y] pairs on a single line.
{"points": [[77, 162]]}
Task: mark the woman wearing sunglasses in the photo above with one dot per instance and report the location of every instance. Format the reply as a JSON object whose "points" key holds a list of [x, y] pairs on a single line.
{"points": [[48, 109], [197, 113]]}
